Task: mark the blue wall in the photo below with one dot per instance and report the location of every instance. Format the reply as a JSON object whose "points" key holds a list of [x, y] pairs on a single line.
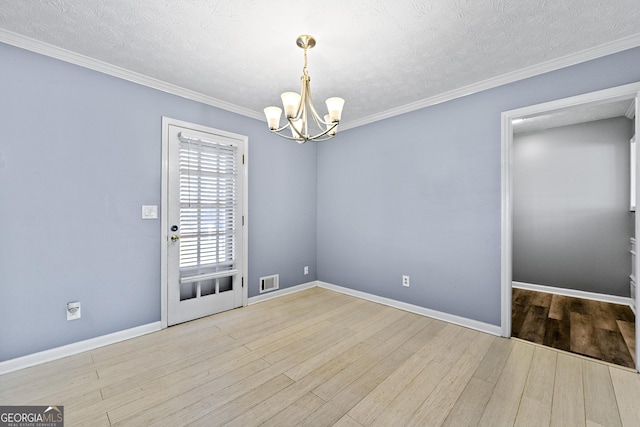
{"points": [[80, 153], [419, 194]]}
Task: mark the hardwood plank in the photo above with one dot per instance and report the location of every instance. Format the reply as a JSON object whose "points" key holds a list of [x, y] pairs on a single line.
{"points": [[541, 378], [533, 413], [623, 312], [626, 386], [558, 334], [521, 296], [502, 407], [583, 335], [347, 421], [336, 408], [568, 396], [492, 364], [327, 354], [335, 384], [295, 413], [628, 331], [602, 315], [370, 407], [424, 336], [533, 327], [613, 348], [470, 405], [518, 315], [559, 308], [599, 396], [541, 299], [438, 404], [239, 406], [578, 305], [399, 410]]}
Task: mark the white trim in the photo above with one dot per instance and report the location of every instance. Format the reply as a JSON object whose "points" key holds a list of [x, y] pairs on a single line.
{"points": [[506, 237], [524, 73], [631, 111], [613, 299], [282, 292], [75, 348], [423, 311], [52, 51]]}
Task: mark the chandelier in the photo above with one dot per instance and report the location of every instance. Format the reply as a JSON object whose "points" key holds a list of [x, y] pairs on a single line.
{"points": [[302, 117]]}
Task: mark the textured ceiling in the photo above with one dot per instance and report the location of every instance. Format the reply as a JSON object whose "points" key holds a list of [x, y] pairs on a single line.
{"points": [[379, 55]]}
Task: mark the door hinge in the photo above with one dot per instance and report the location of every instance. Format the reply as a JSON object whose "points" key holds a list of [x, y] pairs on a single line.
{"points": [[243, 159], [243, 220], [243, 282]]}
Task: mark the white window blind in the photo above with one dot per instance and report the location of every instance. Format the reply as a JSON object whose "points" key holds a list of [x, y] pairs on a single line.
{"points": [[208, 208]]}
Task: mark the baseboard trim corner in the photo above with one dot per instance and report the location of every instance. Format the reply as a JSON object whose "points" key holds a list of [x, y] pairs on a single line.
{"points": [[281, 292], [29, 360], [423, 311]]}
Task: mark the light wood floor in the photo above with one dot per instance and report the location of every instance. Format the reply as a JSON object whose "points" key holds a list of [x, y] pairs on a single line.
{"points": [[320, 358]]}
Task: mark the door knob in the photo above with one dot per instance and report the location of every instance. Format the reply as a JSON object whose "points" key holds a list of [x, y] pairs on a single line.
{"points": [[175, 238]]}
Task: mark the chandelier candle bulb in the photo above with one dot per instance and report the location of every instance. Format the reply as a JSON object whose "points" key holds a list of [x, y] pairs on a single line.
{"points": [[273, 116], [334, 105], [291, 102], [296, 125]]}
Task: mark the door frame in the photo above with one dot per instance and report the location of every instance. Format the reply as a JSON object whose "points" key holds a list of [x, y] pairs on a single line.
{"points": [[629, 91], [164, 222]]}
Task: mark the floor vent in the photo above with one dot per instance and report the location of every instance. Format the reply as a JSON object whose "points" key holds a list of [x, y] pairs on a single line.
{"points": [[269, 283]]}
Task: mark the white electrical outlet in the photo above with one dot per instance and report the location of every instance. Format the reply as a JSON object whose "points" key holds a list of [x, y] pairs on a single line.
{"points": [[405, 281], [73, 310], [306, 270]]}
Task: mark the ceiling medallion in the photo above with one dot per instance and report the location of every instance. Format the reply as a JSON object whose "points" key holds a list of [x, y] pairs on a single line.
{"points": [[299, 111]]}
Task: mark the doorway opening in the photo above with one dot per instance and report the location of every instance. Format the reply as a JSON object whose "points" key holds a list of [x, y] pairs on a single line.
{"points": [[564, 112]]}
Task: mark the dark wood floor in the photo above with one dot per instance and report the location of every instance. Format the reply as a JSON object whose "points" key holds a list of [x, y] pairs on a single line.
{"points": [[596, 329]]}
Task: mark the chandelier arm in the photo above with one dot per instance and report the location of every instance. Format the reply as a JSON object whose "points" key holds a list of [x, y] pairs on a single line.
{"points": [[315, 114], [288, 137], [281, 129], [307, 138]]}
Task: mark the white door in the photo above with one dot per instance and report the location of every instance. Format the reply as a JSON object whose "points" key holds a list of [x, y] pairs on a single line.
{"points": [[204, 221]]}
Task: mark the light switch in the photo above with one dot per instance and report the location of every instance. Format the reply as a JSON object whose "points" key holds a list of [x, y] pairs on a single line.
{"points": [[149, 212]]}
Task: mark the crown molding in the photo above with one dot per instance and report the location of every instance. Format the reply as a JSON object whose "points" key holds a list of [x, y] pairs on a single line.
{"points": [[52, 51], [524, 73], [37, 46]]}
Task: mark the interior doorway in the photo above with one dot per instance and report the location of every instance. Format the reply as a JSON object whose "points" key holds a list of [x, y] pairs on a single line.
{"points": [[557, 110]]}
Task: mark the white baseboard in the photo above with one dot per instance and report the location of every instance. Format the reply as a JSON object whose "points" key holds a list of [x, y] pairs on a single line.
{"points": [[75, 348], [281, 292], [446, 317], [573, 293]]}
